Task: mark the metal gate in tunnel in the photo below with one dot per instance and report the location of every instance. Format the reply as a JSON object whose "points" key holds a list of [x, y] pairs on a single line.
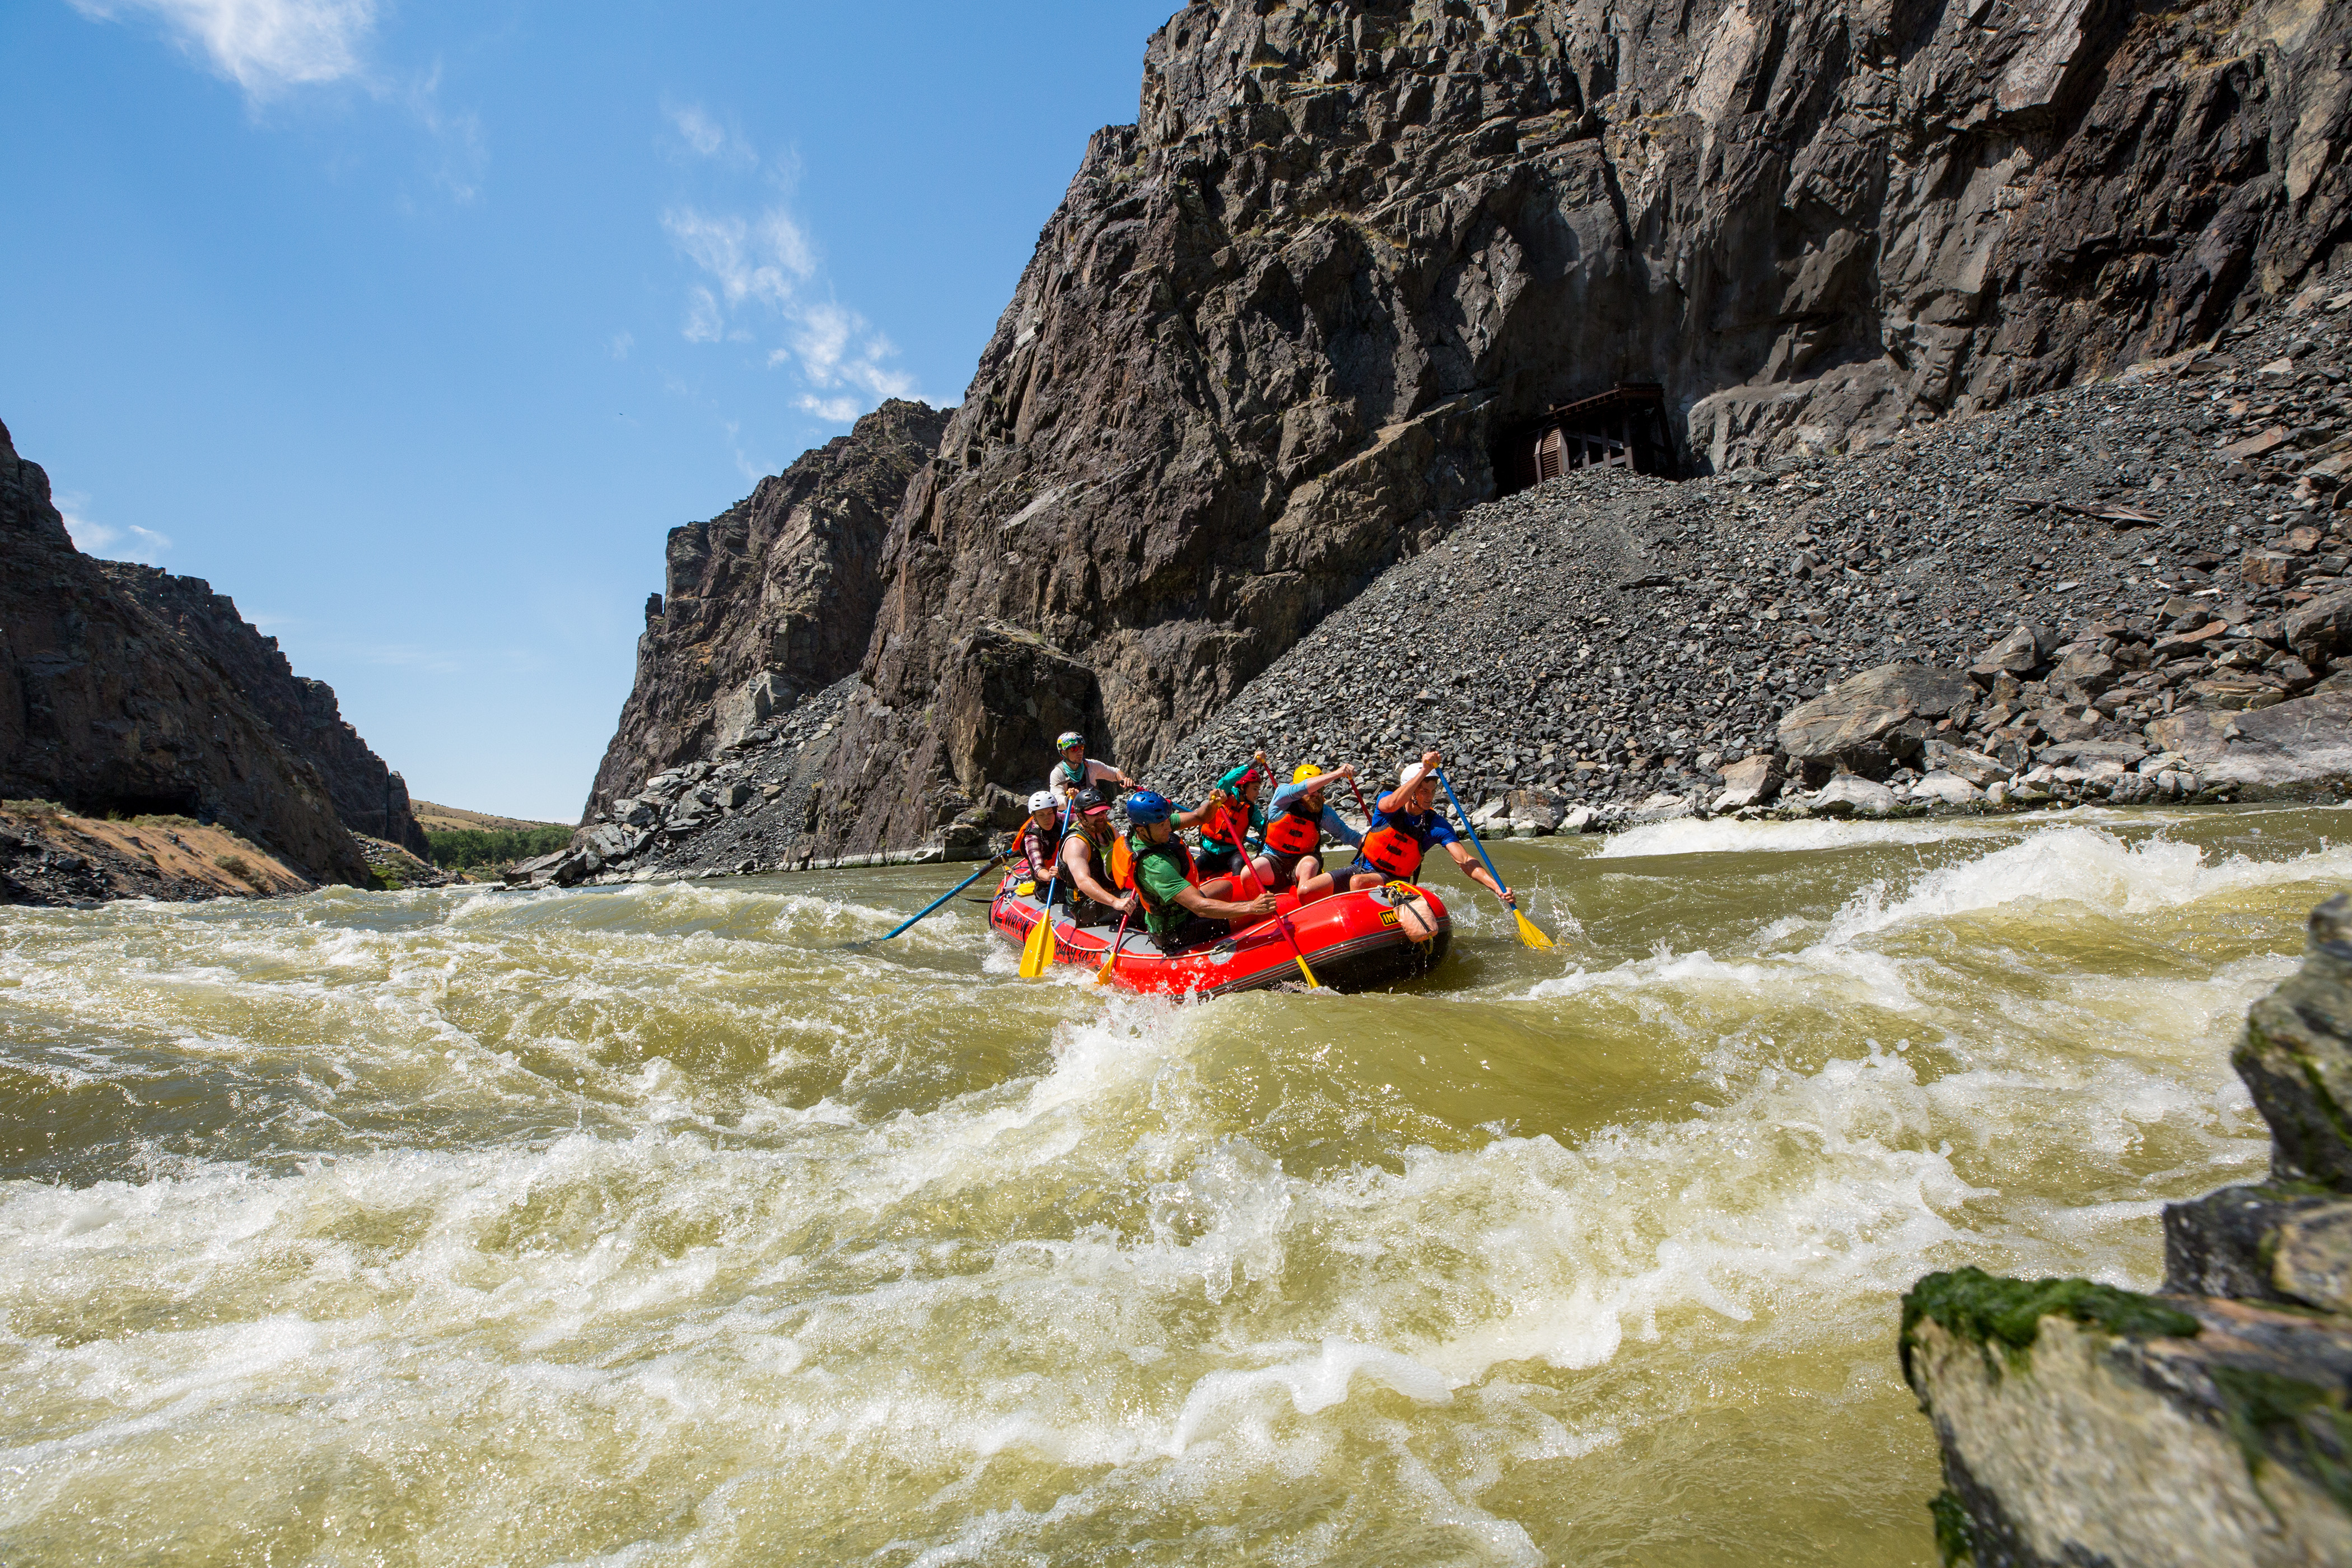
{"points": [[1624, 427]]}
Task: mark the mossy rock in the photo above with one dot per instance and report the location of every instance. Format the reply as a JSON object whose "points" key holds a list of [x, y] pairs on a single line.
{"points": [[2296, 1057], [1986, 1309]]}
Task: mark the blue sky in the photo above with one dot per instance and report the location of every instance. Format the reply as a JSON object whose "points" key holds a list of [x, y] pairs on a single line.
{"points": [[414, 327]]}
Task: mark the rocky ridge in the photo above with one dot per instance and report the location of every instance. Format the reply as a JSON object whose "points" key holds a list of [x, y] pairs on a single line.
{"points": [[2209, 1425], [772, 600], [1270, 340], [109, 707], [369, 797]]}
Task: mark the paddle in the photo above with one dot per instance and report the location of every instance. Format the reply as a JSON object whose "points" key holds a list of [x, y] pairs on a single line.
{"points": [[935, 903], [1102, 975], [1527, 932], [1241, 847], [1038, 951]]}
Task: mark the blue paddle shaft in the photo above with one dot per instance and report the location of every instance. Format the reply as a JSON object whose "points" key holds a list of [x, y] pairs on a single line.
{"points": [[1471, 828], [935, 903]]}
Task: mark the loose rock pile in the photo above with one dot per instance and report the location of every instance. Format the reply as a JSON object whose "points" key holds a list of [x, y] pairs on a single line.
{"points": [[2132, 567], [747, 810]]}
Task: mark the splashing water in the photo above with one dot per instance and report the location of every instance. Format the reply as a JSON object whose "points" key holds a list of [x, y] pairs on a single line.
{"points": [[659, 1225]]}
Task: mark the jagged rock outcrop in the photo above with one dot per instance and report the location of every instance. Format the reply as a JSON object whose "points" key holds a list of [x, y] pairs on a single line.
{"points": [[369, 796], [1269, 340], [2210, 1426], [106, 706], [768, 602]]}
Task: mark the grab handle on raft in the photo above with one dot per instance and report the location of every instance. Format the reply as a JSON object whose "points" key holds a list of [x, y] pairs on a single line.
{"points": [[1528, 934], [942, 898]]}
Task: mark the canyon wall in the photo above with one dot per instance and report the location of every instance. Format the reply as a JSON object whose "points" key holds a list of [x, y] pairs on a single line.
{"points": [[1274, 334], [107, 706], [369, 797], [768, 602]]}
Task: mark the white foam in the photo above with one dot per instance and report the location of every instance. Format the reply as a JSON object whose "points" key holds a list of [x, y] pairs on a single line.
{"points": [[1728, 835]]}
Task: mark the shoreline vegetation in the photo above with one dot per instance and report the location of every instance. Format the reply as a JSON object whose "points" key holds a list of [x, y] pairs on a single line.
{"points": [[494, 849]]}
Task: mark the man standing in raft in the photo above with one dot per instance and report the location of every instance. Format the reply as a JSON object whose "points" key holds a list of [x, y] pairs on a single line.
{"points": [[1297, 818], [1086, 863], [1405, 825], [1179, 908], [1076, 771]]}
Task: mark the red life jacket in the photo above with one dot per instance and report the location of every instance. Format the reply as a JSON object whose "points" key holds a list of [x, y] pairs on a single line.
{"points": [[1392, 851], [1226, 825], [1296, 829]]}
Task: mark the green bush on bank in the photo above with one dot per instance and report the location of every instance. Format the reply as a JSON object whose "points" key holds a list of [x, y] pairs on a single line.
{"points": [[463, 848]]}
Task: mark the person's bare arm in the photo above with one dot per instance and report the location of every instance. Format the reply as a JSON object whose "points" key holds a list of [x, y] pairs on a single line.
{"points": [[1077, 864], [1478, 873], [1201, 904], [1394, 800]]}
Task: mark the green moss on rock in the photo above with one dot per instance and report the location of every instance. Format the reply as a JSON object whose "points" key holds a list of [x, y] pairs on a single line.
{"points": [[1984, 1309], [2273, 1417], [1956, 1538]]}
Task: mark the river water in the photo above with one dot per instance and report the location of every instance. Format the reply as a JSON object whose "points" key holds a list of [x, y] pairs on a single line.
{"points": [[656, 1225]]}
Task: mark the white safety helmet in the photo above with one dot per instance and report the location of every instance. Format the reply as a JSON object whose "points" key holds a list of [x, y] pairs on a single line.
{"points": [[1044, 800]]}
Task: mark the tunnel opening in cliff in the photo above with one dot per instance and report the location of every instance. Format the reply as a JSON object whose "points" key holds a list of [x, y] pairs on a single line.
{"points": [[1624, 427]]}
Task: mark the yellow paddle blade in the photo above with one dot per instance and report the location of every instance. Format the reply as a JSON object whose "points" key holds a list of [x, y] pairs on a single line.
{"points": [[1312, 984], [1529, 934], [1037, 951]]}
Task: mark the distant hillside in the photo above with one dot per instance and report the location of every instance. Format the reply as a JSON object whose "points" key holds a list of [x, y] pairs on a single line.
{"points": [[455, 819]]}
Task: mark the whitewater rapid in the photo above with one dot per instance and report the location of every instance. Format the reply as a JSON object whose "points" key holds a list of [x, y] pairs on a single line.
{"points": [[662, 1224]]}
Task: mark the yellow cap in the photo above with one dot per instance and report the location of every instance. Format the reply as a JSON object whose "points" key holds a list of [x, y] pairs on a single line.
{"points": [[1304, 771]]}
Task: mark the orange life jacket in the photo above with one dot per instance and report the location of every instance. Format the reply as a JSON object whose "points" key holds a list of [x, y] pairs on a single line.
{"points": [[1392, 851], [1296, 829]]}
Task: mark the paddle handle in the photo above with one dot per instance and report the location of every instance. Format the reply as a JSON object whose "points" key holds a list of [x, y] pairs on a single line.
{"points": [[942, 898], [1112, 957], [1470, 828]]}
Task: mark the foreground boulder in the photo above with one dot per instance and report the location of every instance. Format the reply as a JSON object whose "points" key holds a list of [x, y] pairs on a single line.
{"points": [[2208, 1425]]}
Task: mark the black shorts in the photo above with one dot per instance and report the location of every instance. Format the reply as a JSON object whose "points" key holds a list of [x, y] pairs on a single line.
{"points": [[1196, 931], [1285, 867]]}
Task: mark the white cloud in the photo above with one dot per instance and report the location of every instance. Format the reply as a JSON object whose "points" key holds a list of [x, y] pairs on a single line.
{"points": [[765, 259], [703, 323], [766, 270], [706, 138], [621, 344], [109, 544], [260, 45]]}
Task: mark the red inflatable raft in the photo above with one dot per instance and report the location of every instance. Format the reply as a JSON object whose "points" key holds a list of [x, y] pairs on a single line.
{"points": [[1351, 942]]}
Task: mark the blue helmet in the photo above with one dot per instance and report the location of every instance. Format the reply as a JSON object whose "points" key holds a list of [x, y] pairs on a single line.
{"points": [[1148, 805]]}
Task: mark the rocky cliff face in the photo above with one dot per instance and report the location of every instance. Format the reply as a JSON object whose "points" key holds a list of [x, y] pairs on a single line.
{"points": [[369, 797], [2212, 1424], [106, 705], [1269, 341], [770, 601]]}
